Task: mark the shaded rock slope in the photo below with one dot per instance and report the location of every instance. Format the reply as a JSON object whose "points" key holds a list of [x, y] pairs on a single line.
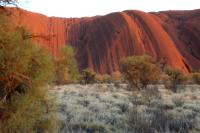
{"points": [[101, 41]]}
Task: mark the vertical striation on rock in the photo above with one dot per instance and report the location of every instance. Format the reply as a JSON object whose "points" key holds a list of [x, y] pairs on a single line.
{"points": [[101, 41]]}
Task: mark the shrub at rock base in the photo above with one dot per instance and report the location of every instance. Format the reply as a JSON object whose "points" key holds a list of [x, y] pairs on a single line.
{"points": [[88, 76], [66, 66], [140, 71], [116, 76], [195, 77], [175, 78]]}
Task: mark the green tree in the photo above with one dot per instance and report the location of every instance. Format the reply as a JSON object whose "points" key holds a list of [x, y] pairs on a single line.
{"points": [[140, 71], [66, 66], [25, 70]]}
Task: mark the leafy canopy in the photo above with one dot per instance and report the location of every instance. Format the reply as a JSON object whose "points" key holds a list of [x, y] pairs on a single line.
{"points": [[140, 71], [25, 70], [66, 65]]}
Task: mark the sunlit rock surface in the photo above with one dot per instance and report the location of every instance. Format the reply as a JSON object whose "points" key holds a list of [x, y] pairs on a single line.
{"points": [[101, 41]]}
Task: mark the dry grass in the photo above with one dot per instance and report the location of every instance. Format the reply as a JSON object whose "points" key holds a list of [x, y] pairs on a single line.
{"points": [[106, 108]]}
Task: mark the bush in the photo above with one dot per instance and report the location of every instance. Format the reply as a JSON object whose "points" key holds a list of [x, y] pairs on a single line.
{"points": [[178, 102], [116, 76], [66, 66], [99, 78], [140, 71], [88, 76], [160, 121], [105, 78], [195, 77], [25, 70], [175, 78]]}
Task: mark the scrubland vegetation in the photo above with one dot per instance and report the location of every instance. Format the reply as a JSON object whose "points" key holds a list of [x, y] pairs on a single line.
{"points": [[145, 96], [107, 108]]}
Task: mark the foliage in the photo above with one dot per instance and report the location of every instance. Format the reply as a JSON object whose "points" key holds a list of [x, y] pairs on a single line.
{"points": [[86, 108], [140, 71], [195, 77], [24, 71], [21, 61], [30, 113], [88, 76], [116, 76], [66, 66], [106, 78], [99, 78], [175, 77], [160, 121]]}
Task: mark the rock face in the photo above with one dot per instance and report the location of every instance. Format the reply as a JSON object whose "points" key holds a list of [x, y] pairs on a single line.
{"points": [[101, 41]]}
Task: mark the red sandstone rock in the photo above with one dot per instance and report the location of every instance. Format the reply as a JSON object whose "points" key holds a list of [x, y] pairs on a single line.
{"points": [[101, 41]]}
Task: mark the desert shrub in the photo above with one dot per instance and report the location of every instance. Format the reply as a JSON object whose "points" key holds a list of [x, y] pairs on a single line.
{"points": [[150, 94], [85, 127], [175, 78], [195, 77], [66, 66], [88, 76], [140, 71], [30, 113], [102, 78], [160, 121], [21, 61], [99, 78], [116, 76], [25, 70], [106, 78], [178, 102]]}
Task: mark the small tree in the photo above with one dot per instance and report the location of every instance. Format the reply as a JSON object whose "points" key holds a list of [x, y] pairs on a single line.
{"points": [[175, 77], [25, 70], [140, 71], [66, 66], [88, 76]]}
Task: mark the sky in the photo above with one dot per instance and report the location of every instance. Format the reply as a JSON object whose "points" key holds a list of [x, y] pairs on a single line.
{"points": [[87, 8]]}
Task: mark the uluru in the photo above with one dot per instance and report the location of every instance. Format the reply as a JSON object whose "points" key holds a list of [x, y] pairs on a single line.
{"points": [[101, 42], [99, 66]]}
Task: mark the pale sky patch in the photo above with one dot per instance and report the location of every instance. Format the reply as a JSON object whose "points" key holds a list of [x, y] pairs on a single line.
{"points": [[82, 8]]}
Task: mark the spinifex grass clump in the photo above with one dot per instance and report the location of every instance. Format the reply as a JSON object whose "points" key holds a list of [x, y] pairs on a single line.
{"points": [[25, 70]]}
